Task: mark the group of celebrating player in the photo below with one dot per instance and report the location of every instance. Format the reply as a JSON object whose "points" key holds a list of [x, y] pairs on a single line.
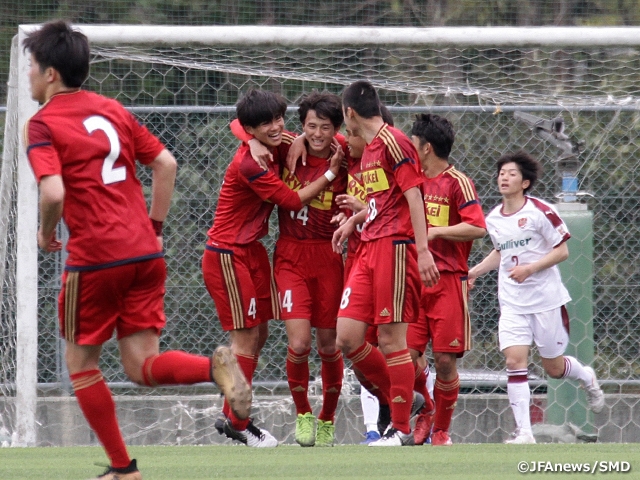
{"points": [[409, 218]]}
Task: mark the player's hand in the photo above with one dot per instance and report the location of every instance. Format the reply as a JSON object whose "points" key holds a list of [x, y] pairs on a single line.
{"points": [[339, 219], [297, 150], [260, 153], [471, 279], [337, 157], [160, 242], [520, 273], [335, 144], [428, 271], [341, 234], [51, 244], [350, 202]]}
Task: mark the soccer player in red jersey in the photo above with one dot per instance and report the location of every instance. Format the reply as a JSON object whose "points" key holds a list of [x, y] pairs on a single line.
{"points": [[392, 260], [309, 273], [236, 267], [351, 203], [82, 148], [455, 219]]}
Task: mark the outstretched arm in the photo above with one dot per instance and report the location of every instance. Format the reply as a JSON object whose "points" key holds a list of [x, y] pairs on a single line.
{"points": [[490, 262], [461, 232]]}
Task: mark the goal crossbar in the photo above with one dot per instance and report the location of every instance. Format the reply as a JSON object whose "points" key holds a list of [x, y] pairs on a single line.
{"points": [[365, 36]]}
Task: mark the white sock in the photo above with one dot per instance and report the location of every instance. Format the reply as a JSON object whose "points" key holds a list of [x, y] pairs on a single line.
{"points": [[369, 410], [574, 370], [519, 398], [430, 380]]}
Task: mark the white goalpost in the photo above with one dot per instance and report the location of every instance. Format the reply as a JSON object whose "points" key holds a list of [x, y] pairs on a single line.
{"points": [[183, 82]]}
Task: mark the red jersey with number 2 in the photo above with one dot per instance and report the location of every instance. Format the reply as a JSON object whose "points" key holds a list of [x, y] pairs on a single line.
{"points": [[93, 142]]}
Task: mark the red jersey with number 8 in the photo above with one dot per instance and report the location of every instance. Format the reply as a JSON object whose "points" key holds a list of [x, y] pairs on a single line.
{"points": [[93, 142], [390, 167]]}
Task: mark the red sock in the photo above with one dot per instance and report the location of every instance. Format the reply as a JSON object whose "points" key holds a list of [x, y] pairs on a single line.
{"points": [[175, 367], [98, 407], [420, 386], [401, 374], [373, 366], [446, 397], [331, 372], [298, 378], [247, 364]]}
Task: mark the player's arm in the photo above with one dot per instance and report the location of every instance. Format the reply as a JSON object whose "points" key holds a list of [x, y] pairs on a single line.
{"points": [[164, 168], [462, 232], [312, 190], [52, 192], [520, 273], [490, 262], [428, 272], [350, 202], [346, 229], [297, 150], [260, 153]]}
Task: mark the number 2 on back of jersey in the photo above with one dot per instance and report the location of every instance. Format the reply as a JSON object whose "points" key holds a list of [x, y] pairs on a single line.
{"points": [[109, 173]]}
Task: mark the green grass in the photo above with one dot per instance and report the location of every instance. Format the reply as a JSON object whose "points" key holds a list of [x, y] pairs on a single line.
{"points": [[494, 461]]}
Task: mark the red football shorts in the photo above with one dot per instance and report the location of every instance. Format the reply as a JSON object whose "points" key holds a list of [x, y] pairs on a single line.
{"points": [[444, 317], [128, 298], [384, 284], [238, 278], [309, 278]]}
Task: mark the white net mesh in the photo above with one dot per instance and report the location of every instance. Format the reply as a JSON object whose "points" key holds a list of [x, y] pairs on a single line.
{"points": [[185, 95]]}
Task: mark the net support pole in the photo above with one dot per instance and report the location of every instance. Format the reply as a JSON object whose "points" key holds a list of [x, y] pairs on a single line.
{"points": [[566, 401], [26, 269]]}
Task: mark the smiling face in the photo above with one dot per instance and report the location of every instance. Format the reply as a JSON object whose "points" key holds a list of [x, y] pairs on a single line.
{"points": [[510, 181], [355, 144], [319, 133], [268, 133]]}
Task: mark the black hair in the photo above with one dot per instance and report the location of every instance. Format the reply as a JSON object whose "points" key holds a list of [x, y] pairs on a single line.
{"points": [[259, 106], [362, 97], [529, 167], [386, 115], [327, 106], [436, 130], [56, 44]]}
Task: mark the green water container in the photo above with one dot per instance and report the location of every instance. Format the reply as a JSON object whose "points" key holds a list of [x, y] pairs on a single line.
{"points": [[566, 401]]}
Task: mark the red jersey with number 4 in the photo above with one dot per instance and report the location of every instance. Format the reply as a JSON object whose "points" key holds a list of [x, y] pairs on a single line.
{"points": [[93, 142], [247, 198], [450, 199], [390, 167], [313, 221]]}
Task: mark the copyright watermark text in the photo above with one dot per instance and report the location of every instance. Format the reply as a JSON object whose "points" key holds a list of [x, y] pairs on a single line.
{"points": [[600, 466]]}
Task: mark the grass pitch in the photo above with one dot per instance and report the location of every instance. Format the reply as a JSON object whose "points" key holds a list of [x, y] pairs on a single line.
{"points": [[464, 461]]}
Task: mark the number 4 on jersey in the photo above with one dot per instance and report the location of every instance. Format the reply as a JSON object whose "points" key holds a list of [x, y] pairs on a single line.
{"points": [[302, 215]]}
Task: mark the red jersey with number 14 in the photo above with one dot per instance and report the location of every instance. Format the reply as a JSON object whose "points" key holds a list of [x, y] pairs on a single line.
{"points": [[390, 167], [313, 221], [449, 199], [93, 142]]}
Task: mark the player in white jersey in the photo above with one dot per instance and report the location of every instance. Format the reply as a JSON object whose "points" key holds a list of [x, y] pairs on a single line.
{"points": [[530, 240]]}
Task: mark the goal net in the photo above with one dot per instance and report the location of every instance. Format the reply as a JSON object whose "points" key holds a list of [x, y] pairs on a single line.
{"points": [[183, 83]]}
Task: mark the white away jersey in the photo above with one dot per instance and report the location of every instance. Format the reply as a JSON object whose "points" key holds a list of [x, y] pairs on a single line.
{"points": [[523, 238]]}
